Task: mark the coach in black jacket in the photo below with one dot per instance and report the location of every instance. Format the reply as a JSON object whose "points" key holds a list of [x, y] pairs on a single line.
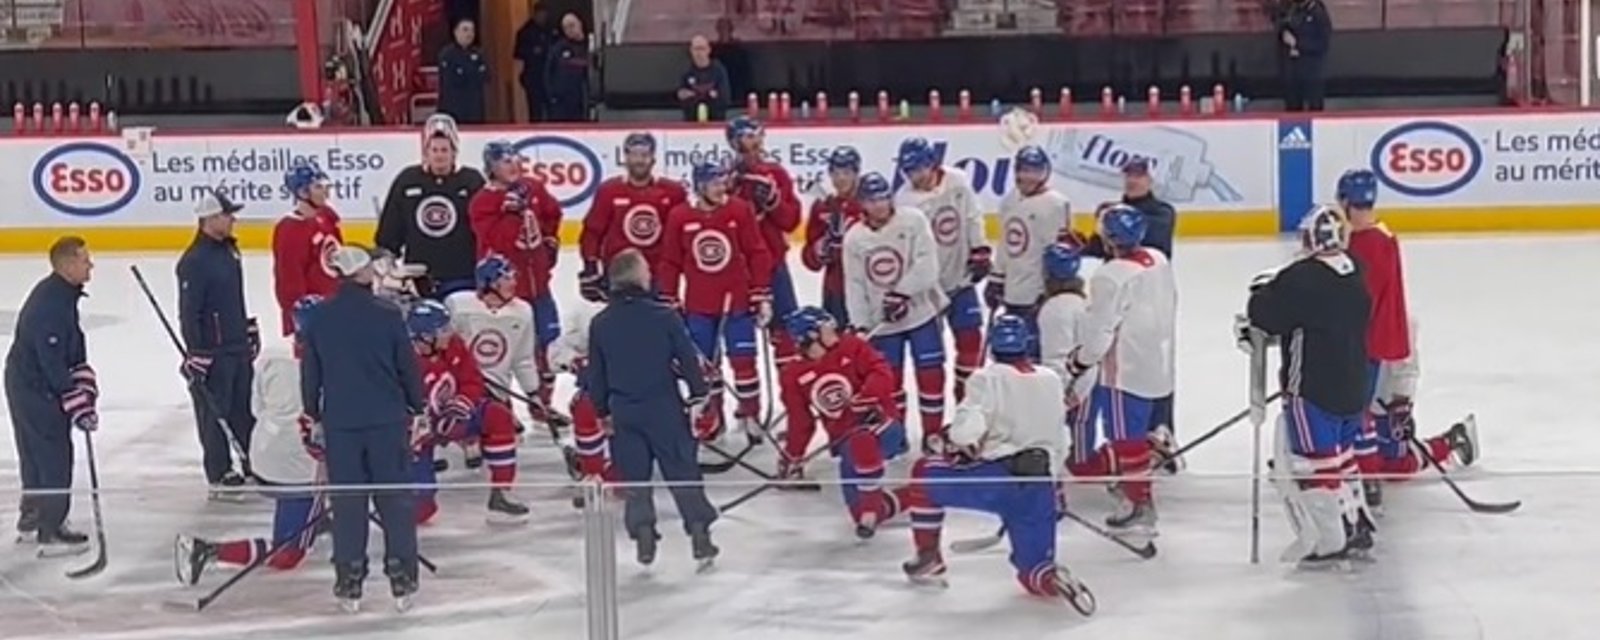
{"points": [[222, 340], [361, 387]]}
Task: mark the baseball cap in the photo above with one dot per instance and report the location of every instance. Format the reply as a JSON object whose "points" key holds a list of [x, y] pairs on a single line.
{"points": [[213, 203], [1136, 167]]}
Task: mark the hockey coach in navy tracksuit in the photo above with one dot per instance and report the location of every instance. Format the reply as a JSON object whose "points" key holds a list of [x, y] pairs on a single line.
{"points": [[221, 339], [362, 389], [50, 388], [636, 344]]}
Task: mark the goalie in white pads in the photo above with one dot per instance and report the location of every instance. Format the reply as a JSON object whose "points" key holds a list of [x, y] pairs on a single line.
{"points": [[1032, 218], [999, 456]]}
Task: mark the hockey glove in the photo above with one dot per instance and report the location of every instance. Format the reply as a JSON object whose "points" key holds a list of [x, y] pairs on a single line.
{"points": [[551, 246], [78, 404], [252, 335], [937, 443], [516, 198], [994, 292], [591, 282], [312, 438], [1074, 239], [421, 436], [896, 306], [195, 367], [1241, 333], [1401, 424], [701, 420], [824, 250], [763, 191], [84, 379], [980, 261], [450, 420], [761, 306]]}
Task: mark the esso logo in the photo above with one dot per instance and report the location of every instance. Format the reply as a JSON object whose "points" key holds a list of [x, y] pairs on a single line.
{"points": [[86, 179], [1426, 159], [489, 348], [566, 167], [884, 266], [436, 216], [831, 394]]}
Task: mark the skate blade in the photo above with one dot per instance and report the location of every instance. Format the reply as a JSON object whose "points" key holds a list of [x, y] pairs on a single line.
{"points": [[506, 519], [929, 582], [26, 539], [705, 565], [350, 606], [402, 604], [63, 550], [1135, 534]]}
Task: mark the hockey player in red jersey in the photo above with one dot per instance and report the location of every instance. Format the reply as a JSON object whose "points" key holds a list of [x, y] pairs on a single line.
{"points": [[830, 217], [848, 385], [459, 408], [515, 217], [627, 212], [714, 246], [302, 242], [768, 186]]}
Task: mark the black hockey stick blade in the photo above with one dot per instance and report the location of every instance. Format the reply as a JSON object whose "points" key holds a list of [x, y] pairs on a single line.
{"points": [[1145, 551], [1474, 505], [100, 559]]}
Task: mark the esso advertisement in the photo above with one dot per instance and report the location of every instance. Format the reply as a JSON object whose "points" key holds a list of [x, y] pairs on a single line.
{"points": [[86, 179], [570, 169], [1426, 159]]}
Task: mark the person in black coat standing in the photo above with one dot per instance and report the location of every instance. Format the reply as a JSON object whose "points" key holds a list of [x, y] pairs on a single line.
{"points": [[221, 340], [532, 50], [50, 389], [635, 345], [463, 72], [362, 391], [567, 73], [1304, 30]]}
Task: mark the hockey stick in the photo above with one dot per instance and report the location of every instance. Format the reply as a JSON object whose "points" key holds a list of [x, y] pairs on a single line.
{"points": [[208, 401], [773, 485], [1226, 424], [1474, 505], [99, 563], [1258, 417], [1145, 551]]}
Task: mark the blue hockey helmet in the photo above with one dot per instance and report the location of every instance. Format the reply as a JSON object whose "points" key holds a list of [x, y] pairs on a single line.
{"points": [[1324, 230], [706, 173], [1061, 262], [742, 126], [427, 318], [805, 323], [640, 140], [1009, 337], [497, 151], [916, 153], [874, 187], [1358, 188], [302, 314], [301, 176], [844, 159], [1123, 226], [1034, 158], [490, 270]]}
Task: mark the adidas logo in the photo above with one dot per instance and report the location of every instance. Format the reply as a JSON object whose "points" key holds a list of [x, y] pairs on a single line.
{"points": [[1296, 138]]}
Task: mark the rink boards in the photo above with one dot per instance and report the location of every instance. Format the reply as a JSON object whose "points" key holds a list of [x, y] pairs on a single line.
{"points": [[1441, 171]]}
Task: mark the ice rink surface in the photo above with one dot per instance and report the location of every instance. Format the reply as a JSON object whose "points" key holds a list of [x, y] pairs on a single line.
{"points": [[1508, 331]]}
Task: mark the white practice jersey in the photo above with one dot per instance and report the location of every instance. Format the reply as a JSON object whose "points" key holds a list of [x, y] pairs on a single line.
{"points": [[1062, 320], [1398, 378], [570, 350], [1131, 325], [276, 452], [957, 224], [899, 258], [1028, 224], [502, 340], [1010, 409]]}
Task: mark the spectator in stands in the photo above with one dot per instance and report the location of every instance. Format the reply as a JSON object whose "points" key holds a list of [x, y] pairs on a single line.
{"points": [[533, 48], [705, 84], [1303, 34], [463, 72], [567, 73]]}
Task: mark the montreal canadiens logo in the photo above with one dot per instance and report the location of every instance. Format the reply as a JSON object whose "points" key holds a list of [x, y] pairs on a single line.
{"points": [[831, 394], [436, 216], [441, 388], [884, 266], [1426, 159], [489, 347], [1016, 237], [326, 246], [712, 251], [946, 225], [642, 225], [87, 179]]}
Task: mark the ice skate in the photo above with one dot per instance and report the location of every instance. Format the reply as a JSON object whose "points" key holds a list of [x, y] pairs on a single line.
{"points": [[27, 524], [1133, 519], [926, 569], [1358, 538], [705, 553], [505, 510], [1073, 591], [570, 456], [1162, 446], [543, 414], [441, 465], [754, 431], [402, 583], [1463, 440], [190, 557], [229, 489], [347, 585], [644, 546], [1373, 490], [866, 526], [61, 543], [793, 477], [472, 455]]}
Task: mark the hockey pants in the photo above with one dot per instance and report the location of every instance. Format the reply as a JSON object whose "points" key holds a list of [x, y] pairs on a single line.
{"points": [[738, 336], [784, 302], [293, 520], [364, 456], [861, 465], [1025, 505], [1124, 425], [927, 355], [965, 318]]}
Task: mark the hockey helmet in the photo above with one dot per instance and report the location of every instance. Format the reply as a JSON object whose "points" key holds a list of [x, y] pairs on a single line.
{"points": [[302, 314], [1358, 188], [490, 270], [805, 323], [1009, 336], [301, 177], [1122, 226], [1324, 230], [706, 173], [1061, 262], [844, 159], [916, 153], [1033, 157], [427, 318], [497, 151], [874, 187], [640, 140], [742, 126]]}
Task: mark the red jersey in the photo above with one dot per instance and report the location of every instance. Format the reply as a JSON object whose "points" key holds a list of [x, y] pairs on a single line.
{"points": [[718, 253], [450, 373], [624, 215], [301, 251], [1389, 332], [830, 216], [527, 237], [783, 219], [851, 378]]}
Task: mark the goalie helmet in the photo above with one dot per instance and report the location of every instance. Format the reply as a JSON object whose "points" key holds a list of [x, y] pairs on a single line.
{"points": [[427, 319], [441, 125], [1324, 230]]}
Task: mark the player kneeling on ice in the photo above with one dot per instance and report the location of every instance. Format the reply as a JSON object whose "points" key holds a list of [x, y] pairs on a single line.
{"points": [[286, 457], [1391, 419], [849, 386], [891, 285], [999, 455], [458, 408]]}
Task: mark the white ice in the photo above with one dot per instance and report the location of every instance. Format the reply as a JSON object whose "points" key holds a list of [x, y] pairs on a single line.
{"points": [[1508, 333]]}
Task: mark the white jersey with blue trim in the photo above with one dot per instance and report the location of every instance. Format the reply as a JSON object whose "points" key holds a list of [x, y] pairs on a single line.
{"points": [[1062, 320], [898, 257], [1028, 224], [501, 340], [952, 210], [277, 454], [1011, 408], [1132, 323]]}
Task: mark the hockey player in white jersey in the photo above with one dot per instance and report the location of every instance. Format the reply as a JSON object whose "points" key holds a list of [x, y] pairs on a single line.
{"points": [[498, 328], [1133, 303], [1063, 321], [945, 195], [891, 287], [1032, 217], [285, 456], [1006, 432]]}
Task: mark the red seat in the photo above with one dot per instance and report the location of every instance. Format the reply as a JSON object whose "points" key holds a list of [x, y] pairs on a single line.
{"points": [[1356, 14], [1138, 18], [1196, 16], [1085, 17]]}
